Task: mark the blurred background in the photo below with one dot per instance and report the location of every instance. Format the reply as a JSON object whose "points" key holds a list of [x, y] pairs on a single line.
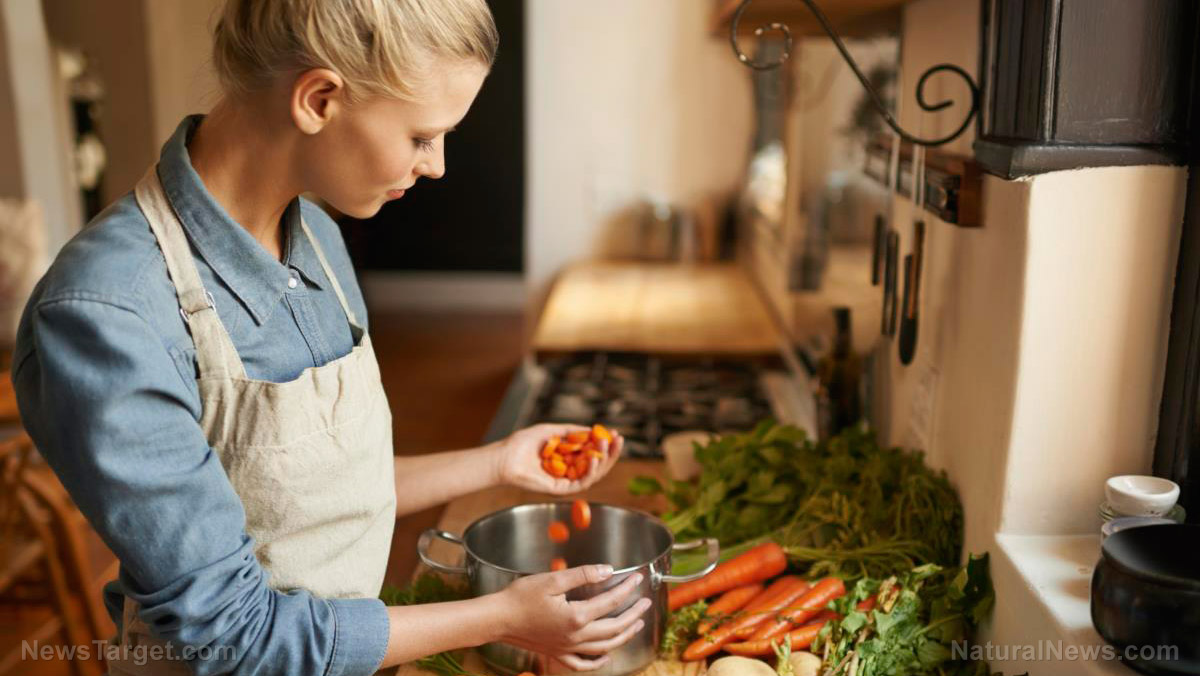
{"points": [[637, 229]]}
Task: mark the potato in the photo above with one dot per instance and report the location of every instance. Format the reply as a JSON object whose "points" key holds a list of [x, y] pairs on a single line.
{"points": [[805, 663], [740, 666]]}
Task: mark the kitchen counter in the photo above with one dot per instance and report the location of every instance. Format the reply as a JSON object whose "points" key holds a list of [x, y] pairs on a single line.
{"points": [[656, 308], [612, 489]]}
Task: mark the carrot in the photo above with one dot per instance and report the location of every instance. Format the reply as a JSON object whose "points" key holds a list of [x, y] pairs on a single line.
{"points": [[807, 606], [801, 638], [759, 613], [578, 437], [581, 514], [558, 564], [731, 601], [727, 633], [755, 604], [601, 433], [558, 532], [759, 563]]}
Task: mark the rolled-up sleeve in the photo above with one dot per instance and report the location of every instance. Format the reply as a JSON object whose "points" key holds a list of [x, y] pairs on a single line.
{"points": [[103, 399]]}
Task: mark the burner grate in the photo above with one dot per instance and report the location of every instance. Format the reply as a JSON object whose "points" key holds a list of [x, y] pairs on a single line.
{"points": [[646, 398]]}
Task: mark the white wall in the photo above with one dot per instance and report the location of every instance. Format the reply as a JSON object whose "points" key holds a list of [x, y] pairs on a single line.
{"points": [[626, 99], [179, 49], [33, 123], [1043, 339]]}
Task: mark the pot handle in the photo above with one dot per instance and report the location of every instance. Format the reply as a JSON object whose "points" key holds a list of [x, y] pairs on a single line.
{"points": [[423, 550], [714, 555]]}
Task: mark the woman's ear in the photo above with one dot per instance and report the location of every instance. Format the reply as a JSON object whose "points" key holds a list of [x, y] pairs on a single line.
{"points": [[317, 96]]}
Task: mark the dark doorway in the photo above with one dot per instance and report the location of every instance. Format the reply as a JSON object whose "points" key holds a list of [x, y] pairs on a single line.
{"points": [[472, 219]]}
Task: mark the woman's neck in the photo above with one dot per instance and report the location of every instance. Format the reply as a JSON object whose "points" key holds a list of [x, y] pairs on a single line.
{"points": [[247, 168]]}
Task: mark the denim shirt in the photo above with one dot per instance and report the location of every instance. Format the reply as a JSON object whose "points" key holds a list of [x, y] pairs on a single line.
{"points": [[105, 374]]}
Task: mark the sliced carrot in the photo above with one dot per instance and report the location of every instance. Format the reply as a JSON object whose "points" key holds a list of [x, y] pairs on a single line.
{"points": [[755, 565], [581, 514], [805, 608], [558, 564], [730, 602], [558, 467], [801, 639], [578, 437], [761, 612], [571, 474], [558, 532], [569, 447], [601, 432], [551, 445]]}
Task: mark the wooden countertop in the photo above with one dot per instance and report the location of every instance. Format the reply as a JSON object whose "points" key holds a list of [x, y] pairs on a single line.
{"points": [[711, 309], [612, 489]]}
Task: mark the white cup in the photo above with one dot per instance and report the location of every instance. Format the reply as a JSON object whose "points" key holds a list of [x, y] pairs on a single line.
{"points": [[1137, 495]]}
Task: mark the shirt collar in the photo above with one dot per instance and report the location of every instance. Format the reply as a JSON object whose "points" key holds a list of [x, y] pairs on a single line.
{"points": [[254, 276]]}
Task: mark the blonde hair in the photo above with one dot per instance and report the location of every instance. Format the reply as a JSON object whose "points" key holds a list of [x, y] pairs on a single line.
{"points": [[378, 47]]}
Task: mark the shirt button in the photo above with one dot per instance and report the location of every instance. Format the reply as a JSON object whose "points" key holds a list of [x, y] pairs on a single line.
{"points": [[293, 282]]}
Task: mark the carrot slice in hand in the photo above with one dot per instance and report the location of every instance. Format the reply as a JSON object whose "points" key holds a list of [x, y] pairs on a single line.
{"points": [[578, 437], [558, 532], [600, 432], [581, 514]]}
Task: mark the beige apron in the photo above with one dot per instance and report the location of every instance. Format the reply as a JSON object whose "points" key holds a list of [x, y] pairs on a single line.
{"points": [[311, 459]]}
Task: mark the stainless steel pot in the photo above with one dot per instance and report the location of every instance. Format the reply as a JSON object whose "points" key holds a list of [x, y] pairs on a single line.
{"points": [[512, 543]]}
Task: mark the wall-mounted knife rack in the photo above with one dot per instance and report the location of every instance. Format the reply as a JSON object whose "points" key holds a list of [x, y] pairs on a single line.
{"points": [[953, 183]]}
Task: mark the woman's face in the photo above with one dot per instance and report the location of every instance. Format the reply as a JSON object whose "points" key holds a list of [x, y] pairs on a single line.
{"points": [[371, 152]]}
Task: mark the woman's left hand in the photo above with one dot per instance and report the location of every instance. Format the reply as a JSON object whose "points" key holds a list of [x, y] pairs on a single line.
{"points": [[518, 460]]}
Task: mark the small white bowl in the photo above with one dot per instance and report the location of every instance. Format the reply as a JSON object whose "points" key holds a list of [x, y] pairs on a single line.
{"points": [[1135, 495], [681, 455]]}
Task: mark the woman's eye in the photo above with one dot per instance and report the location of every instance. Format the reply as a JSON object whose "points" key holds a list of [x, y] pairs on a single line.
{"points": [[424, 144]]}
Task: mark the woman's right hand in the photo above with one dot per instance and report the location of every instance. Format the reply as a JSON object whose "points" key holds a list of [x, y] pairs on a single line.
{"points": [[576, 633]]}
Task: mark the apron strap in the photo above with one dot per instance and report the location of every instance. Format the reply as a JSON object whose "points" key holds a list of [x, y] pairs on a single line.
{"points": [[215, 353], [337, 288]]}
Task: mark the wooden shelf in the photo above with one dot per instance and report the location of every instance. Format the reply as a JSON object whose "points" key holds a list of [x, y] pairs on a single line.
{"points": [[850, 18]]}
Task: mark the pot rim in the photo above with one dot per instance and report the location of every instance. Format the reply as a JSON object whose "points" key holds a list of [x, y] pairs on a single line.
{"points": [[1165, 580], [616, 571]]}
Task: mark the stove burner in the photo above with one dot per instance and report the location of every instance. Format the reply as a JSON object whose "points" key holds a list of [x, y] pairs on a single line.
{"points": [[646, 398]]}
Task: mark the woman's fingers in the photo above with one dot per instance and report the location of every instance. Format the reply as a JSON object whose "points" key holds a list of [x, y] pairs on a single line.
{"points": [[608, 627], [602, 604], [580, 664], [605, 645]]}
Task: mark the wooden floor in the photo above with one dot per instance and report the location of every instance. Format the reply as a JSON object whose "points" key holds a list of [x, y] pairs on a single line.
{"points": [[445, 375]]}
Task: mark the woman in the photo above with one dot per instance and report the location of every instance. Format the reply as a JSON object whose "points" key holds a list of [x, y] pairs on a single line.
{"points": [[196, 367]]}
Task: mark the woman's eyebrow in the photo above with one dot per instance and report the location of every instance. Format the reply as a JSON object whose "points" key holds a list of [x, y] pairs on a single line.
{"points": [[430, 133]]}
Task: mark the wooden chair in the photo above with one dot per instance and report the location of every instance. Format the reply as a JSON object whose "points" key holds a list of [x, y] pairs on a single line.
{"points": [[29, 559], [89, 564]]}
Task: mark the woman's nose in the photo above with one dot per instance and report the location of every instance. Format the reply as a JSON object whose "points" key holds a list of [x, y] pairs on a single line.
{"points": [[435, 166]]}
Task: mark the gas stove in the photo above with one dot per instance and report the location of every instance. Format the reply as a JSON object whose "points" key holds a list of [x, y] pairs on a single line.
{"points": [[647, 397]]}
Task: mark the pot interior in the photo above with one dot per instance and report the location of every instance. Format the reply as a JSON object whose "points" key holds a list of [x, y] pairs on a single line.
{"points": [[516, 539], [1165, 554]]}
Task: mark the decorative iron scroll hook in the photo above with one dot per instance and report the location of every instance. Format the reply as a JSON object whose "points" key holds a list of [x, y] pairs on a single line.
{"points": [[875, 100]]}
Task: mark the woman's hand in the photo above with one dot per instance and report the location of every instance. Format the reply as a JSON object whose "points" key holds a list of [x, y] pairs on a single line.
{"points": [[518, 460], [576, 633]]}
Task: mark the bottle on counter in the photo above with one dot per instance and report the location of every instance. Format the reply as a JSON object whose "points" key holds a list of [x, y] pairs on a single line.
{"points": [[839, 374]]}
